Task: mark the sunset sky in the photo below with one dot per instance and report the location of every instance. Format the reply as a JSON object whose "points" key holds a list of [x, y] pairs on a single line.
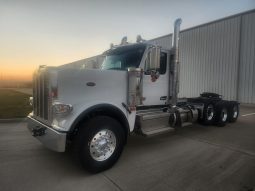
{"points": [[48, 32]]}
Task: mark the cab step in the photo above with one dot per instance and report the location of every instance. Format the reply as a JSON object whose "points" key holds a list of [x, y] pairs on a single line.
{"points": [[152, 122], [159, 131]]}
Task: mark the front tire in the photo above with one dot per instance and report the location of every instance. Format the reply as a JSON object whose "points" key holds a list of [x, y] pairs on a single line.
{"points": [[99, 143]]}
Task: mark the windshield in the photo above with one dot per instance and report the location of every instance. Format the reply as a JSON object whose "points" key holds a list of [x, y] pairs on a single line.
{"points": [[123, 57]]}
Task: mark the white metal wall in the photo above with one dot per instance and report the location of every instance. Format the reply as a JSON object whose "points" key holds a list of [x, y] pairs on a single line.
{"points": [[246, 86], [165, 41], [209, 59], [218, 57]]}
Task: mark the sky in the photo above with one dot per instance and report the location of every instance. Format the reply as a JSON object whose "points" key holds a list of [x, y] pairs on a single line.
{"points": [[56, 32]]}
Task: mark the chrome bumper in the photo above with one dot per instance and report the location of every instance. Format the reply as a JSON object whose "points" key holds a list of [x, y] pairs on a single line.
{"points": [[49, 137]]}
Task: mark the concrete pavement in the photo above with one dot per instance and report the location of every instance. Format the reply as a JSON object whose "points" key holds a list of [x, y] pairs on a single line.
{"points": [[194, 158]]}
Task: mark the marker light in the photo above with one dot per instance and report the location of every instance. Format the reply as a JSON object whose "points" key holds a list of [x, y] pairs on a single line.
{"points": [[31, 101], [62, 109]]}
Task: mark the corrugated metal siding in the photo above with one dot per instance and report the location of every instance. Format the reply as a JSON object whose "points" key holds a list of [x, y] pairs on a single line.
{"points": [[218, 57], [246, 91], [165, 42], [209, 59]]}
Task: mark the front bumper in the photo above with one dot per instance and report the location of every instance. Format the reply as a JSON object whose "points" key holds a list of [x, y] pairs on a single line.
{"points": [[49, 137]]}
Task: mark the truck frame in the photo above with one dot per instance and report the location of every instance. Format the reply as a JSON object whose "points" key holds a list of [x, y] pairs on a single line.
{"points": [[135, 91]]}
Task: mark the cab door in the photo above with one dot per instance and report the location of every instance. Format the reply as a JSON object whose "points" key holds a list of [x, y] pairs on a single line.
{"points": [[155, 91]]}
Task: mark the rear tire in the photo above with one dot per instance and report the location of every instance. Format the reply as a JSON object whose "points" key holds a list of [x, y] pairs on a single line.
{"points": [[99, 143], [233, 111], [208, 113], [221, 114]]}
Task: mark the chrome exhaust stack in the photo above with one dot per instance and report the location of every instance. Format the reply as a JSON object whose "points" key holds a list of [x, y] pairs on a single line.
{"points": [[175, 68], [184, 115]]}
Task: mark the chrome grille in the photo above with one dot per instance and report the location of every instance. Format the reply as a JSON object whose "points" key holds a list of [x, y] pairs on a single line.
{"points": [[41, 95]]}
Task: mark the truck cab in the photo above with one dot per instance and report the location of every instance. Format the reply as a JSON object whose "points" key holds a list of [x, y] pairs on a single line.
{"points": [[139, 55], [135, 91]]}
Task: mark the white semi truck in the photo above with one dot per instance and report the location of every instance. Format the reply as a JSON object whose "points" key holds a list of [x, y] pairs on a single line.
{"points": [[135, 91]]}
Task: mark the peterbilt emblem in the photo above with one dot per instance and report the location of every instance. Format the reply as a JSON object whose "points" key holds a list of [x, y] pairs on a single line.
{"points": [[91, 84]]}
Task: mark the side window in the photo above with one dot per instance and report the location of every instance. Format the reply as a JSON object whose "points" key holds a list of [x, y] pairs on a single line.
{"points": [[163, 62]]}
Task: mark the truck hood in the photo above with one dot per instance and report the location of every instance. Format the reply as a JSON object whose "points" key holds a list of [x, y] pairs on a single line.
{"points": [[76, 86]]}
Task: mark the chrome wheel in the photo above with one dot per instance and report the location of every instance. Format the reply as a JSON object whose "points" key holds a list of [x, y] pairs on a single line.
{"points": [[224, 115], [102, 145], [235, 112], [210, 112]]}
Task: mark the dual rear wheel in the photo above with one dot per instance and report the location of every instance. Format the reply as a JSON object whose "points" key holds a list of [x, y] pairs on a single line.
{"points": [[219, 113]]}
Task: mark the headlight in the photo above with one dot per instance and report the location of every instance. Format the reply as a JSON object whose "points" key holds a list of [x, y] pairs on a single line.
{"points": [[62, 109]]}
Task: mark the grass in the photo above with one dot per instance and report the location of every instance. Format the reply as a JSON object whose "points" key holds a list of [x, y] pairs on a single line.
{"points": [[13, 104]]}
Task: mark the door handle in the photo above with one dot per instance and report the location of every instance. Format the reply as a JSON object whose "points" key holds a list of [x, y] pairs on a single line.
{"points": [[163, 97]]}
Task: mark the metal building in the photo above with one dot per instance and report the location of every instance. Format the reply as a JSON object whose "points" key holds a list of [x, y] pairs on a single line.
{"points": [[219, 57]]}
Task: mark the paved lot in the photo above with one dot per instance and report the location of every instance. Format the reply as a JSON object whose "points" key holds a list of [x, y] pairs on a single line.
{"points": [[196, 158]]}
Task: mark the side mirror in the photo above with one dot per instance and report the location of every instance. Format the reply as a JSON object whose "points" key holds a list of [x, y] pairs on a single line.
{"points": [[153, 59]]}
